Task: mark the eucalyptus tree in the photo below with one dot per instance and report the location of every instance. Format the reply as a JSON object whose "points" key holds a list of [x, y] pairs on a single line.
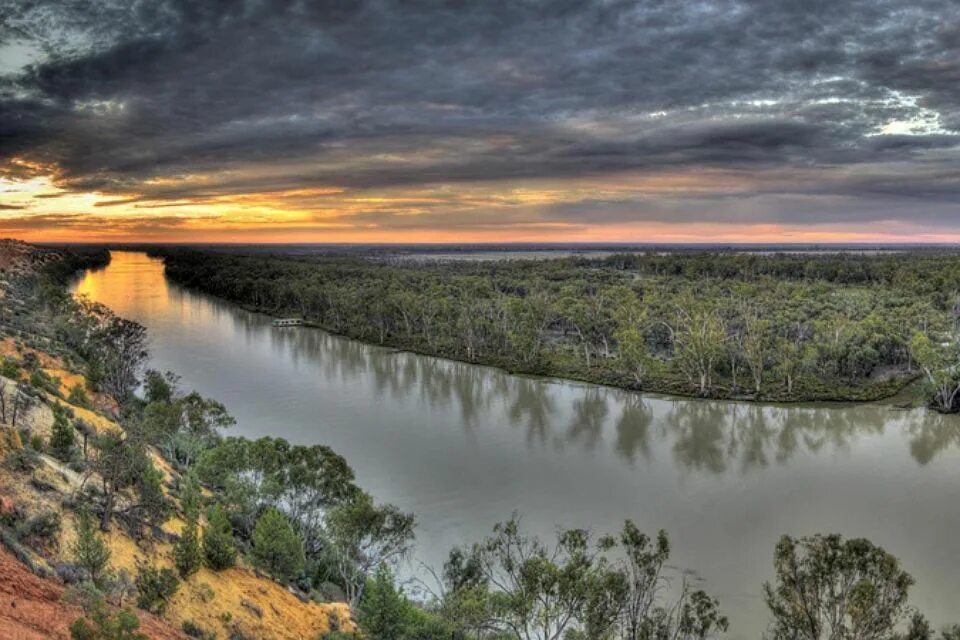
{"points": [[827, 588], [940, 363]]}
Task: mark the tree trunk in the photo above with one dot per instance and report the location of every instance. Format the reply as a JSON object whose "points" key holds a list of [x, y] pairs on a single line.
{"points": [[107, 511]]}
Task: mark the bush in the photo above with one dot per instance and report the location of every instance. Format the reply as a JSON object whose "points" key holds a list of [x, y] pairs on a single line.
{"points": [[41, 529], [9, 368], [98, 623], [219, 547], [277, 548], [155, 587], [36, 442], [67, 572], [194, 630], [78, 396], [23, 460]]}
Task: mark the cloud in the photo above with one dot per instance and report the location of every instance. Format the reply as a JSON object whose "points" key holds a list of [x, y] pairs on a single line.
{"points": [[177, 102]]}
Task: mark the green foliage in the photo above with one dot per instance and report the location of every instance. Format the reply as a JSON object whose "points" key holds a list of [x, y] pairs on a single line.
{"points": [[277, 548], [362, 537], [512, 585], [183, 426], [23, 460], [123, 464], [42, 529], [90, 551], [827, 587], [383, 612], [63, 440], [99, 624], [810, 326], [305, 481], [9, 368], [155, 587], [78, 396], [219, 547], [187, 554]]}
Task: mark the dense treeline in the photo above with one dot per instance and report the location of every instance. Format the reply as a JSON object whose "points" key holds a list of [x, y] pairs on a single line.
{"points": [[790, 327]]}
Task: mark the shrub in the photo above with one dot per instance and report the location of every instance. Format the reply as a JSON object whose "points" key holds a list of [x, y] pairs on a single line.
{"points": [[219, 547], [155, 587], [78, 396], [277, 548], [9, 368], [41, 529], [99, 624], [67, 572], [90, 552], [23, 460], [36, 442], [194, 630]]}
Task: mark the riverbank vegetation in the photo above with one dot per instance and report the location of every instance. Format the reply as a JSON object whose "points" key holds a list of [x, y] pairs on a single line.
{"points": [[748, 326], [149, 502]]}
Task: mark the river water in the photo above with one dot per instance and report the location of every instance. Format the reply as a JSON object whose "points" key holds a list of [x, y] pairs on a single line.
{"points": [[463, 446]]}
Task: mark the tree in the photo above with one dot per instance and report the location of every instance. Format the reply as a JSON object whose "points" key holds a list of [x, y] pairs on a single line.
{"points": [[187, 554], [634, 356], [123, 465], [362, 537], [156, 586], [698, 340], [219, 547], [277, 548], [90, 552], [383, 612], [754, 349], [940, 364], [794, 358], [122, 352], [62, 438], [540, 593], [827, 587], [644, 562]]}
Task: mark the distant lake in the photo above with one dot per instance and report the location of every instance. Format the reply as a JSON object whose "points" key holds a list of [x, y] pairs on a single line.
{"points": [[463, 446]]}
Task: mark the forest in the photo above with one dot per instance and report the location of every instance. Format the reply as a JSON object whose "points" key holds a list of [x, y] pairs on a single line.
{"points": [[755, 326]]}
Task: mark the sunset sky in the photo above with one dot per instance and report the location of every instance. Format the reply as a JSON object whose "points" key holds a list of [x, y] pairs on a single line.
{"points": [[429, 121]]}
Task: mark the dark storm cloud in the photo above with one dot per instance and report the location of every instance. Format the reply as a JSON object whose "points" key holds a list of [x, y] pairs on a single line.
{"points": [[273, 95]]}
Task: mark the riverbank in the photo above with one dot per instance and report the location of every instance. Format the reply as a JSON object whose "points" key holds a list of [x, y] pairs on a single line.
{"points": [[783, 373]]}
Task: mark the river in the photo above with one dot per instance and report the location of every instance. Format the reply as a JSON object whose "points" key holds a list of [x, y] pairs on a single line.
{"points": [[464, 446]]}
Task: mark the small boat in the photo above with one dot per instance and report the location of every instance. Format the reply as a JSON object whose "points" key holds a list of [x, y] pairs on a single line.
{"points": [[287, 322]]}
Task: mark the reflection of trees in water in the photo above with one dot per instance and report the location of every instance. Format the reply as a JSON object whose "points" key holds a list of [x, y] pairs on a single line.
{"points": [[706, 436], [633, 428], [529, 403], [930, 437], [701, 433], [589, 415], [713, 436]]}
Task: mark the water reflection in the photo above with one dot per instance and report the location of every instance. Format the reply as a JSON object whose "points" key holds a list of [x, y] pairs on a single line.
{"points": [[704, 436]]}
